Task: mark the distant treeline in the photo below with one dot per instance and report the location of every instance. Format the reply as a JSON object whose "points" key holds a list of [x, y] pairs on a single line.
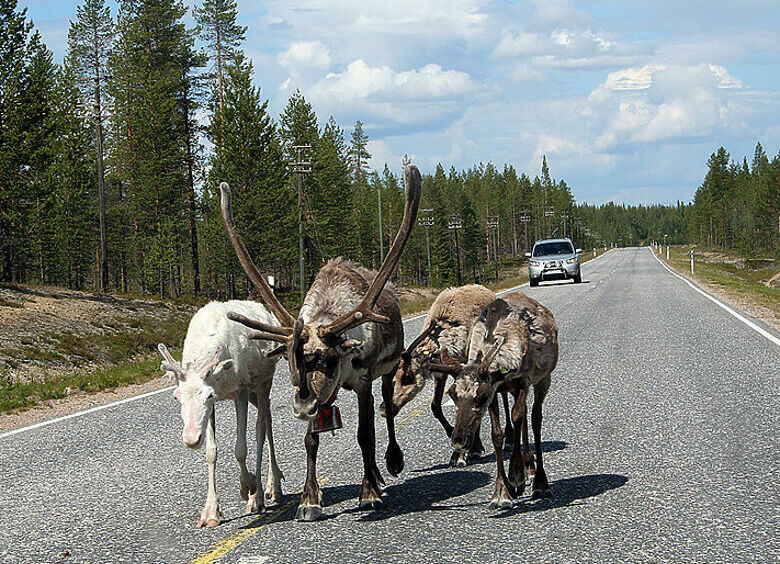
{"points": [[134, 84]]}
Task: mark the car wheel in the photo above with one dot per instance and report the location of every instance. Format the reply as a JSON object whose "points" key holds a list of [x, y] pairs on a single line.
{"points": [[534, 282], [578, 278]]}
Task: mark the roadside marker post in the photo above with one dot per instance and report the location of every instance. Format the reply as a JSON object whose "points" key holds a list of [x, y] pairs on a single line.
{"points": [[667, 252], [691, 263]]}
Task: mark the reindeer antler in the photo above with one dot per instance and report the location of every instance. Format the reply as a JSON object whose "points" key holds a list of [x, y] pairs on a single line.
{"points": [[364, 312], [447, 365], [264, 331], [170, 364], [251, 270], [407, 354], [491, 355]]}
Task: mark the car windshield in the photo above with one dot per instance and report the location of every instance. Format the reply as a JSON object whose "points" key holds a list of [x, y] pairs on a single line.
{"points": [[560, 248]]}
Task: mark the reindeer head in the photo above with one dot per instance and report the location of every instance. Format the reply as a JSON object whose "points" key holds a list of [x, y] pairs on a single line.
{"points": [[318, 354], [472, 391], [410, 376], [196, 391]]}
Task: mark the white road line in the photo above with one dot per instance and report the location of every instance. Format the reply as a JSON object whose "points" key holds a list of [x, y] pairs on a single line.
{"points": [[148, 394], [744, 320], [85, 412]]}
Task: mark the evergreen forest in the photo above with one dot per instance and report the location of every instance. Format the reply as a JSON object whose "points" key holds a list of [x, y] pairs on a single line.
{"points": [[110, 165]]}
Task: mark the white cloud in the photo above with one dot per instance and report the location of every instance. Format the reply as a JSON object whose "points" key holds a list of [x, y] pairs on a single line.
{"points": [[305, 53], [361, 81], [658, 102]]}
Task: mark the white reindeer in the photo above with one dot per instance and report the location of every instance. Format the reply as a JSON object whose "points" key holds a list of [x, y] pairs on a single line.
{"points": [[219, 362]]}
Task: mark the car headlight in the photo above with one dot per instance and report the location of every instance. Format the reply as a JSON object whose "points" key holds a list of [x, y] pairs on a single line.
{"points": [[534, 262], [571, 260]]}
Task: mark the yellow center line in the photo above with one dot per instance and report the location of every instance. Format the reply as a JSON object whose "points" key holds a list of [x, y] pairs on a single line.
{"points": [[236, 539], [239, 537]]}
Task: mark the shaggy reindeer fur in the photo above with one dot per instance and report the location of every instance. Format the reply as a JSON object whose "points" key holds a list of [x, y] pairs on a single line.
{"points": [[448, 325], [514, 345], [219, 362]]}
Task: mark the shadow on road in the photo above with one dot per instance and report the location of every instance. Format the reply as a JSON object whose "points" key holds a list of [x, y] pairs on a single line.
{"points": [[547, 446], [570, 491], [420, 493]]}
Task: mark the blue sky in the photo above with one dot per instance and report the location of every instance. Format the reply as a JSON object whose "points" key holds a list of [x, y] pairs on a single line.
{"points": [[626, 99]]}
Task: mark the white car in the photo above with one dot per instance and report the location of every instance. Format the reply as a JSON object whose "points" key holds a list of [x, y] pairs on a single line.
{"points": [[554, 259]]}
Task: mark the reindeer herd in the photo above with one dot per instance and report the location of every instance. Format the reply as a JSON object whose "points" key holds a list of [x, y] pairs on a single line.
{"points": [[349, 332]]}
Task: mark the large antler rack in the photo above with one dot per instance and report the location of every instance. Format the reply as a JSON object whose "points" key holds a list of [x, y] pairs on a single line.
{"points": [[364, 312], [266, 294]]}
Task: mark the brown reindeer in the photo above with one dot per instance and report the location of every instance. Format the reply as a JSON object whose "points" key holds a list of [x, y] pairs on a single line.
{"points": [[348, 333], [514, 345], [446, 331]]}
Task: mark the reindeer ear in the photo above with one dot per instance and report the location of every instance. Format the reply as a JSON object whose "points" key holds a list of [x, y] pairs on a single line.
{"points": [[222, 368]]}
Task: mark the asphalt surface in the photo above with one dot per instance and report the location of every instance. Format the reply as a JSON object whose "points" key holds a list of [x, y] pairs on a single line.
{"points": [[660, 435]]}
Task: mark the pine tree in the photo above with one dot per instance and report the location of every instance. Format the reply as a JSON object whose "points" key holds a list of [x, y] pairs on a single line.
{"points": [[218, 29], [90, 39], [14, 37], [148, 67]]}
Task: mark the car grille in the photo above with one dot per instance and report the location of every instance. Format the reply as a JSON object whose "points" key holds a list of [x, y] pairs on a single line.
{"points": [[552, 264]]}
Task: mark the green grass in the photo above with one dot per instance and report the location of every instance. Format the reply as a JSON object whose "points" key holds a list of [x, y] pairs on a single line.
{"points": [[745, 282], [20, 395]]}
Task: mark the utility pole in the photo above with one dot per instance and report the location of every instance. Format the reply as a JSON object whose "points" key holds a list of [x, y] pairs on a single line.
{"points": [[301, 166], [455, 224], [381, 243], [97, 108], [525, 218], [549, 213], [426, 220], [565, 217], [492, 223]]}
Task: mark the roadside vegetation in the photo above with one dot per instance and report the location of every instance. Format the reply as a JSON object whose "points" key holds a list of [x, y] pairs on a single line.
{"points": [[752, 280]]}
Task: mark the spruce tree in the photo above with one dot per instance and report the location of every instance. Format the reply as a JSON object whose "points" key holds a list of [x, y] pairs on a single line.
{"points": [[253, 165], [358, 153]]}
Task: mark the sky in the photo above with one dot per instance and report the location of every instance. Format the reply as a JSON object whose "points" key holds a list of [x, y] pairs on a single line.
{"points": [[627, 100]]}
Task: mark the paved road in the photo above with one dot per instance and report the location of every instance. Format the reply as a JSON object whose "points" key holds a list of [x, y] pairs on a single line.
{"points": [[661, 440]]}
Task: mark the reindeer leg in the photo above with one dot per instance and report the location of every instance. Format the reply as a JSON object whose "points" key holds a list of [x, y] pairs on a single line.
{"points": [[517, 464], [509, 431], [541, 487], [310, 507], [260, 432], [211, 513], [248, 480], [477, 449], [501, 498], [528, 456], [370, 496], [273, 489], [438, 394], [394, 457]]}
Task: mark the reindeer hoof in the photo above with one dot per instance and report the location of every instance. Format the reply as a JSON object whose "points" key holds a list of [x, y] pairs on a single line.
{"points": [[463, 460], [394, 460], [271, 499], [308, 513], [542, 494], [502, 503], [516, 491], [208, 523], [475, 455], [370, 504]]}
